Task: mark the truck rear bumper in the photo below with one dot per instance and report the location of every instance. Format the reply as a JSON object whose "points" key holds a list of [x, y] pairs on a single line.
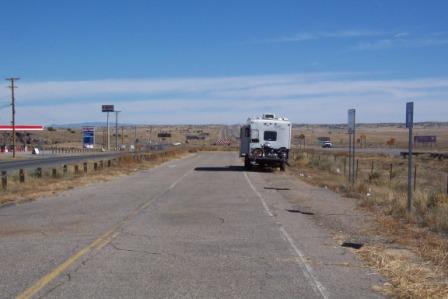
{"points": [[269, 161]]}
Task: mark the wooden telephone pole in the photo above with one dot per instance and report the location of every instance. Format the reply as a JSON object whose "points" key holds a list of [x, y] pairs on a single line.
{"points": [[13, 106]]}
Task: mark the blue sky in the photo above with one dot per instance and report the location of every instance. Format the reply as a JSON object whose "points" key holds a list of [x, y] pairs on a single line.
{"points": [[222, 61]]}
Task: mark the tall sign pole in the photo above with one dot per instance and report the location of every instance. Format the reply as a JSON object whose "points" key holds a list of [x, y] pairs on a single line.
{"points": [[352, 144], [410, 125], [354, 147], [13, 119], [108, 133], [116, 129], [107, 109], [349, 155]]}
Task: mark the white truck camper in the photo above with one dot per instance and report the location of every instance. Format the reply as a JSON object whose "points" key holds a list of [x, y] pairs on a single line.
{"points": [[266, 141]]}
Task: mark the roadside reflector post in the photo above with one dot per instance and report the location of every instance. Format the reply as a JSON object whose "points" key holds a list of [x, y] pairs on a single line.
{"points": [[4, 180], [21, 176], [409, 125]]}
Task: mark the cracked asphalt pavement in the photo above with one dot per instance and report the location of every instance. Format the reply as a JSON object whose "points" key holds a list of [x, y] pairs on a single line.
{"points": [[197, 227]]}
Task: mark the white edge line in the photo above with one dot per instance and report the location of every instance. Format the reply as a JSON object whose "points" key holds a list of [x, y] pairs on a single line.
{"points": [[308, 270], [259, 196]]}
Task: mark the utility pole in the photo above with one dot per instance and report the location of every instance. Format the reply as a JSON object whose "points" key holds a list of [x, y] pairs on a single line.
{"points": [[116, 129], [13, 121]]}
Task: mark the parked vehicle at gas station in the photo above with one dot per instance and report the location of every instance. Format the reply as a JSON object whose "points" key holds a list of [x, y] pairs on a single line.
{"points": [[266, 141]]}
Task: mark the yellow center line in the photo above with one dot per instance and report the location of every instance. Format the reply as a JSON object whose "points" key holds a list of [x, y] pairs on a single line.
{"points": [[96, 244]]}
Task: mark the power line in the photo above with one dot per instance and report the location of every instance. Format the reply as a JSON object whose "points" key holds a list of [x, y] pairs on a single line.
{"points": [[13, 106]]}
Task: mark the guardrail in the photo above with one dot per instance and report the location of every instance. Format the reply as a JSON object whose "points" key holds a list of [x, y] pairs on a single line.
{"points": [[82, 168]]}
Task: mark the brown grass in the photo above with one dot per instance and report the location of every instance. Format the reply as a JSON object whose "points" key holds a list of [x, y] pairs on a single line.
{"points": [[70, 137], [408, 277], [376, 135], [420, 270]]}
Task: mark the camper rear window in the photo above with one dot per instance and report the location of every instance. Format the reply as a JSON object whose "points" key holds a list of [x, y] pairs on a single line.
{"points": [[270, 136]]}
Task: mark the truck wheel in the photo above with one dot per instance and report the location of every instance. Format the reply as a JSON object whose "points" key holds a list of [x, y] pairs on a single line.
{"points": [[283, 166], [247, 164]]}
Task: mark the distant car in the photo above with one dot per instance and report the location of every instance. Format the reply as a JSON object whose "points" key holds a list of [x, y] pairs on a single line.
{"points": [[35, 151], [327, 144]]}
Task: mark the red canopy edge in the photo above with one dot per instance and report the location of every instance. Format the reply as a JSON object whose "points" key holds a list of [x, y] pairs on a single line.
{"points": [[22, 128]]}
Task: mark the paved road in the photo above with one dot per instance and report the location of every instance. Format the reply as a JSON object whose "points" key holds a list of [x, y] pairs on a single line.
{"points": [[53, 161], [199, 227]]}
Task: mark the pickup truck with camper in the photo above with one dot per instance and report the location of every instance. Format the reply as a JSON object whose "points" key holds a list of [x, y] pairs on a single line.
{"points": [[266, 141]]}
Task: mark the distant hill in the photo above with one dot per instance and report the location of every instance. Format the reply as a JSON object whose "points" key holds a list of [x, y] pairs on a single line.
{"points": [[426, 124], [87, 124]]}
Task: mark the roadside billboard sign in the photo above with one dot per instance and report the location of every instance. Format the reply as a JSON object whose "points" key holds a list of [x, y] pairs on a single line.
{"points": [[409, 114], [351, 120], [107, 108]]}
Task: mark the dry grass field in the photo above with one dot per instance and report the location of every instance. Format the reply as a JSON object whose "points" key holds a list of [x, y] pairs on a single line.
{"points": [[376, 135], [127, 135]]}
